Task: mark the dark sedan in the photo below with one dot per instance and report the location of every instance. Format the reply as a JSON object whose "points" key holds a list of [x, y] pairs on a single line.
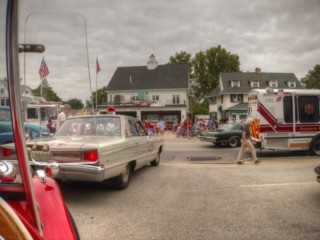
{"points": [[226, 134]]}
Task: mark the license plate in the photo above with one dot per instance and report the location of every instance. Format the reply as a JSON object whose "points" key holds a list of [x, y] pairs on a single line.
{"points": [[40, 156]]}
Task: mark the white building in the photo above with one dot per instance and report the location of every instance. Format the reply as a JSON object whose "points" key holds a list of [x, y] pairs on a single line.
{"points": [[151, 92], [230, 99]]}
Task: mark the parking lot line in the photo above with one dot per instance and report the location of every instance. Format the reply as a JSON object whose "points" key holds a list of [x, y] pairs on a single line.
{"points": [[276, 184]]}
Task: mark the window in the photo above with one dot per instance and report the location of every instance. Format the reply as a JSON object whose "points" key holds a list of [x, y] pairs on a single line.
{"points": [[142, 130], [291, 84], [155, 97], [2, 91], [133, 128], [235, 83], [110, 98], [134, 98], [32, 113], [273, 84], [288, 109], [255, 84], [118, 98], [308, 107], [175, 99], [213, 100], [236, 98]]}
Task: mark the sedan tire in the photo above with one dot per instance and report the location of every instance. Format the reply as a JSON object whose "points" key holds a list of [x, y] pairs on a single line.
{"points": [[234, 142], [121, 182], [156, 161]]}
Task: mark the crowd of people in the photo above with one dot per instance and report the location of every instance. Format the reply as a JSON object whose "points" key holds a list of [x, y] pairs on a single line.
{"points": [[182, 128], [189, 128], [155, 127]]}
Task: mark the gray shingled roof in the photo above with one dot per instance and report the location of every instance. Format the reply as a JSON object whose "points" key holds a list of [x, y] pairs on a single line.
{"points": [[263, 78], [215, 92], [163, 77]]}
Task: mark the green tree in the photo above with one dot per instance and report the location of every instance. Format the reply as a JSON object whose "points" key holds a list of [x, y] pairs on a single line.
{"points": [[207, 67], [200, 108], [88, 104], [51, 95], [102, 96], [180, 58], [312, 79], [75, 103]]}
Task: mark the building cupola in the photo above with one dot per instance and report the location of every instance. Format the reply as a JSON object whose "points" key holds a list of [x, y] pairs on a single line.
{"points": [[152, 63]]}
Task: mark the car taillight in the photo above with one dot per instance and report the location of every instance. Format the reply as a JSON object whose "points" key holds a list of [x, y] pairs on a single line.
{"points": [[6, 152], [91, 156]]}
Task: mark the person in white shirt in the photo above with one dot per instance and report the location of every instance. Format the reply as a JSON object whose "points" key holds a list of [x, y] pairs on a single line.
{"points": [[62, 116]]}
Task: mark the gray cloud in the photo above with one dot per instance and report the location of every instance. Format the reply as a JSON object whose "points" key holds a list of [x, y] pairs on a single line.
{"points": [[276, 35]]}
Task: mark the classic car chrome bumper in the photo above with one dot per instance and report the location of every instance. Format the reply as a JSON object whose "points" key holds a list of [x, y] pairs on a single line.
{"points": [[78, 172], [208, 139]]}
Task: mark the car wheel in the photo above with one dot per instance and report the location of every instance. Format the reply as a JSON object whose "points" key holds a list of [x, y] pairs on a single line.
{"points": [[74, 226], [156, 161], [122, 181], [315, 147], [234, 142]]}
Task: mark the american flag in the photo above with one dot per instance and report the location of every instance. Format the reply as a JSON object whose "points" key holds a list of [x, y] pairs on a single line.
{"points": [[43, 71], [98, 67]]}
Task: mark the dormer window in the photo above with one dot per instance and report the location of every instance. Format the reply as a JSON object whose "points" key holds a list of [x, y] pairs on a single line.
{"points": [[291, 84], [235, 83], [273, 84], [255, 84], [235, 98]]}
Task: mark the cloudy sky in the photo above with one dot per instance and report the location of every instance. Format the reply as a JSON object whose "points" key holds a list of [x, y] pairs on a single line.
{"points": [[275, 35]]}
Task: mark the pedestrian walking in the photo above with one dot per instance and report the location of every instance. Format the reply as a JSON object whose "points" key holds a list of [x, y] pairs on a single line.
{"points": [[62, 116], [246, 143]]}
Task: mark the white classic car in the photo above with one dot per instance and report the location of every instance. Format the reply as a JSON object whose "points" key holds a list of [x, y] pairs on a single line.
{"points": [[96, 148]]}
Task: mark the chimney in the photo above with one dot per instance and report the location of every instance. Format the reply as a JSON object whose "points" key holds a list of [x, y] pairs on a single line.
{"points": [[152, 63], [258, 70]]}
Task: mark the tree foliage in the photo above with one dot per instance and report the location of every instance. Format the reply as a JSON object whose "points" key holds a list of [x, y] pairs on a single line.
{"points": [[200, 109], [51, 95], [207, 68], [102, 97], [312, 79], [75, 103], [180, 58]]}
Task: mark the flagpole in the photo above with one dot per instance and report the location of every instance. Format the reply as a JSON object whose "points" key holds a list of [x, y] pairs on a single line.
{"points": [[40, 87], [97, 86]]}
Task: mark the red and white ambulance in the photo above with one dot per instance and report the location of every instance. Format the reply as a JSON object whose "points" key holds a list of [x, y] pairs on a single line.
{"points": [[285, 119]]}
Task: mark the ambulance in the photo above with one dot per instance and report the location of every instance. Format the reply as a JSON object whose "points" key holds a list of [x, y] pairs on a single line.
{"points": [[285, 119]]}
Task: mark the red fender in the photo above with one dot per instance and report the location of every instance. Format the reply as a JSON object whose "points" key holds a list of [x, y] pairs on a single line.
{"points": [[52, 210]]}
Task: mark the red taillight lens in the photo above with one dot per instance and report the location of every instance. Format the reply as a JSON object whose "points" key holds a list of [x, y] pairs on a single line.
{"points": [[90, 155], [6, 152], [48, 171]]}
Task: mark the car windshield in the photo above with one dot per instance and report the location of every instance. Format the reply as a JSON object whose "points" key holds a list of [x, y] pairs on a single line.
{"points": [[91, 126]]}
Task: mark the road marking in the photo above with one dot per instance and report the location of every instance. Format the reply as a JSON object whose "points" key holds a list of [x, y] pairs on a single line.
{"points": [[277, 184]]}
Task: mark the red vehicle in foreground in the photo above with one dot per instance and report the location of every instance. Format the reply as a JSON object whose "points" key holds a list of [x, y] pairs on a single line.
{"points": [[31, 207]]}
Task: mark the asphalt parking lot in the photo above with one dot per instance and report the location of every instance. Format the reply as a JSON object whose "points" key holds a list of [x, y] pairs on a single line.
{"points": [[183, 199]]}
